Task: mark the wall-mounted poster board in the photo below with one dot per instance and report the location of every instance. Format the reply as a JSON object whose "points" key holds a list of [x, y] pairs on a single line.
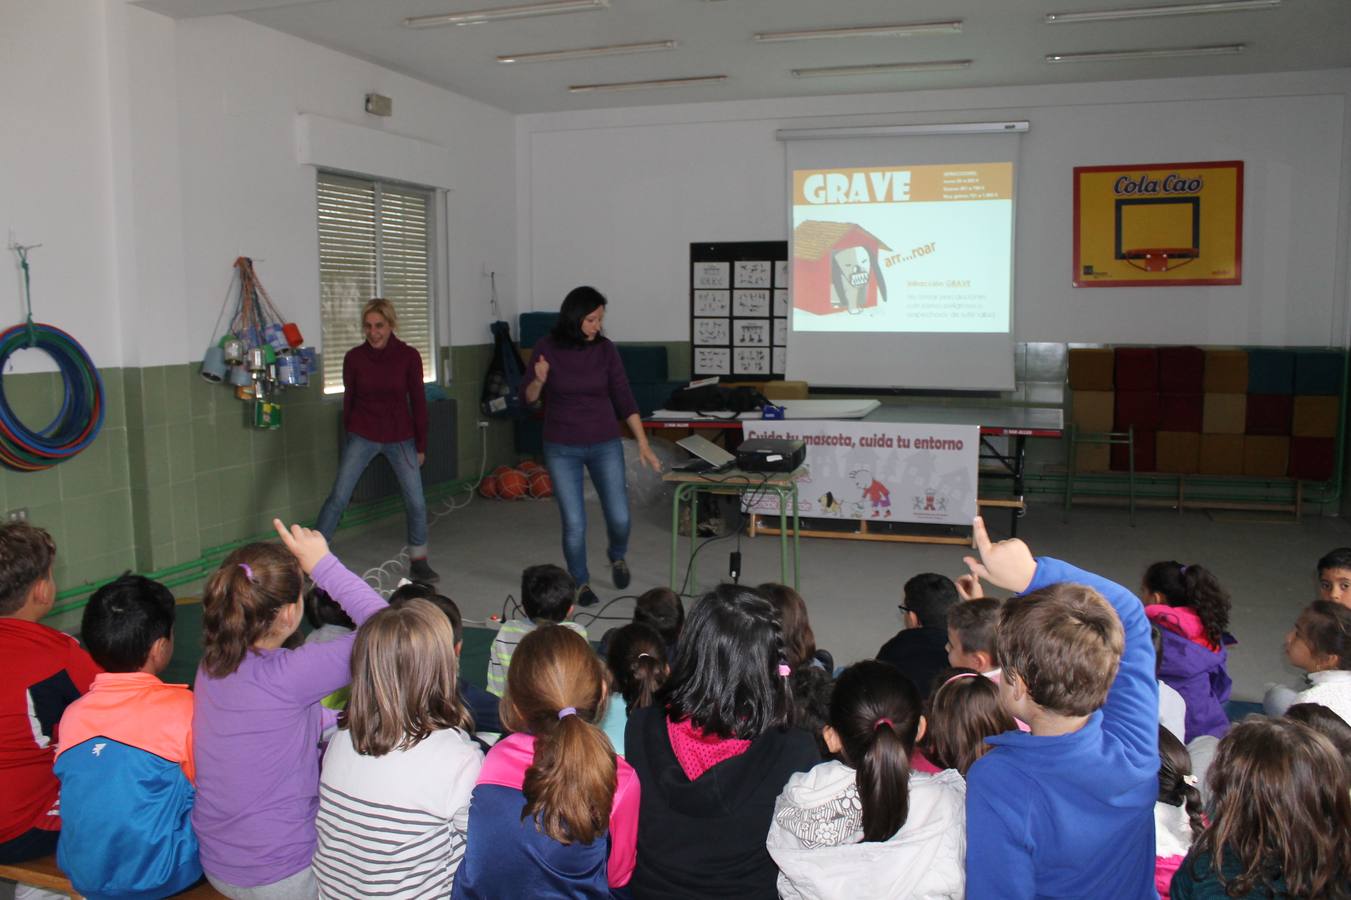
{"points": [[739, 310], [1158, 225]]}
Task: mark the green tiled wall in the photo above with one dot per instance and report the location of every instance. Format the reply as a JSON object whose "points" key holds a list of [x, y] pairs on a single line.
{"points": [[177, 469]]}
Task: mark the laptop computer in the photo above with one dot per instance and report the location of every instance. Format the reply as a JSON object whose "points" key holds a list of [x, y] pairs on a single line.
{"points": [[708, 456]]}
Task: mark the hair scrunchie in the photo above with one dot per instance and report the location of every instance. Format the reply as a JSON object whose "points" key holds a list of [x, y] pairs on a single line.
{"points": [[566, 711], [883, 721]]}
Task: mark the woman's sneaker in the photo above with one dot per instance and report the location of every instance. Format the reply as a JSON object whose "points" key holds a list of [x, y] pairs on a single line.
{"points": [[420, 571], [619, 570], [586, 596]]}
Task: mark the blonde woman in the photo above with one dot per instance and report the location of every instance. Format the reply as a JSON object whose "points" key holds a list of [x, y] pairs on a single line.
{"points": [[384, 410]]}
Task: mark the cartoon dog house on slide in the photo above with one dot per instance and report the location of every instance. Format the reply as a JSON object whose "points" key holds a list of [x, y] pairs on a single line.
{"points": [[835, 268]]}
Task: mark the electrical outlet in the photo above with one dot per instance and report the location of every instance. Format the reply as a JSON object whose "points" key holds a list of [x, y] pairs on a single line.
{"points": [[17, 515], [482, 423]]}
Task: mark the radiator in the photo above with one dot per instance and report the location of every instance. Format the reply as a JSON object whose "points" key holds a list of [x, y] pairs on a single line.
{"points": [[443, 464]]}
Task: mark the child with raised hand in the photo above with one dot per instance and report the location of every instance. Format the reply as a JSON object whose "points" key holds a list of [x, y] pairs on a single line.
{"points": [[1280, 822], [1334, 576], [394, 793], [1065, 810], [638, 669], [555, 812], [1320, 644], [1178, 820], [1191, 609], [964, 712], [866, 825], [715, 753], [257, 721], [126, 753]]}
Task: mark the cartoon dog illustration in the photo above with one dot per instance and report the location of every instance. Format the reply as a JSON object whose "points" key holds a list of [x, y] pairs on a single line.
{"points": [[831, 505]]}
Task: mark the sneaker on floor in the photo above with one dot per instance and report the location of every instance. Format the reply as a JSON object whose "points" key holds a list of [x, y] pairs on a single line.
{"points": [[619, 570], [586, 596], [418, 570]]}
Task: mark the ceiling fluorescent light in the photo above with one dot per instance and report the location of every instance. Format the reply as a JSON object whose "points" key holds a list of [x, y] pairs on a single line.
{"points": [[883, 68], [953, 27], [807, 134], [587, 52], [644, 85], [1156, 53], [529, 10], [1150, 12]]}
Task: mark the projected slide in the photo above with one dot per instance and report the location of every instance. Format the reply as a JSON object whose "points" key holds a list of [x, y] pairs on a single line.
{"points": [[907, 249]]}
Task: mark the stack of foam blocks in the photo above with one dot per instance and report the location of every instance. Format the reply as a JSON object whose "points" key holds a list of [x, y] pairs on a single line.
{"points": [[1270, 413]]}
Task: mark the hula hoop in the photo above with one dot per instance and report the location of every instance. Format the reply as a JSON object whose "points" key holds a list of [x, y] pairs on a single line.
{"points": [[80, 417]]}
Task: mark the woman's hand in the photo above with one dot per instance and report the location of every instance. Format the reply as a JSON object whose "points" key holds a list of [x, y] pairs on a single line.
{"points": [[1007, 564], [307, 545], [421, 458], [648, 458], [541, 370]]}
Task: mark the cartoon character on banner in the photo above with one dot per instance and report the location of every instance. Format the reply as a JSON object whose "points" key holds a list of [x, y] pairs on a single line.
{"points": [[876, 494], [830, 504]]}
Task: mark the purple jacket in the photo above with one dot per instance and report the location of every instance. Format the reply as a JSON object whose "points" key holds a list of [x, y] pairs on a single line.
{"points": [[1201, 677], [586, 394]]}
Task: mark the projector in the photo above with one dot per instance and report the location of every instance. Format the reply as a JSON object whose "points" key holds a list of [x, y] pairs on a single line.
{"points": [[770, 455]]}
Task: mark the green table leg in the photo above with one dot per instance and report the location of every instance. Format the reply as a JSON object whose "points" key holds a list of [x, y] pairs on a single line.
{"points": [[783, 536], [797, 541], [675, 535]]}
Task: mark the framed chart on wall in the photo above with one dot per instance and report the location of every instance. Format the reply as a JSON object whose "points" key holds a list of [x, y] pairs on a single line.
{"points": [[739, 310]]}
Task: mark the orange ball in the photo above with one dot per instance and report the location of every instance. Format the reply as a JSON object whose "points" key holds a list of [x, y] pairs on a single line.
{"points": [[541, 485], [528, 465], [513, 485], [488, 487], [500, 471]]}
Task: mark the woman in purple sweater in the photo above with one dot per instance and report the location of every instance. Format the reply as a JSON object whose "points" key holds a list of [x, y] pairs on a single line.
{"points": [[384, 410], [577, 371]]}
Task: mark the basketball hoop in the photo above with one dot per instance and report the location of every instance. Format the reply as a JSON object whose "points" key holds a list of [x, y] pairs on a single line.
{"points": [[1160, 259]]}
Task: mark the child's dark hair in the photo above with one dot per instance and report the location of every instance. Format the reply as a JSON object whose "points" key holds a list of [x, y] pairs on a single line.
{"points": [[547, 593], [875, 710], [1194, 586], [1340, 558], [124, 619], [976, 624], [1156, 639], [1281, 807], [1177, 784], [418, 590], [812, 689], [662, 609], [931, 597], [637, 659], [26, 556], [799, 641], [321, 610], [964, 710], [556, 692], [727, 678], [577, 305], [1326, 627], [241, 600], [1325, 722]]}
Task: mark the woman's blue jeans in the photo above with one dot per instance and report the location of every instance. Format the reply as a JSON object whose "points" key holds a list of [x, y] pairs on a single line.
{"points": [[356, 456], [605, 462]]}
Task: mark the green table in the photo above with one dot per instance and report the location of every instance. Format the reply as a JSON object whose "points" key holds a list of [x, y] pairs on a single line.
{"points": [[688, 487]]}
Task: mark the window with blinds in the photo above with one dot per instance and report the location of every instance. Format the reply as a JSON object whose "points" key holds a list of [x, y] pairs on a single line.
{"points": [[374, 241]]}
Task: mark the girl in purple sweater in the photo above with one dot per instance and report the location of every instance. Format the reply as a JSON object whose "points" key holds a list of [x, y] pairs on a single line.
{"points": [[257, 721]]}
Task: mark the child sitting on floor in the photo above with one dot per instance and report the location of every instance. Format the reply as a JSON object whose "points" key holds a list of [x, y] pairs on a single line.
{"points": [[1320, 644], [394, 793], [661, 609], [1334, 576], [973, 626], [1178, 821], [126, 754], [555, 812], [867, 826], [1067, 809], [256, 718], [638, 668], [1280, 818], [547, 593], [964, 712], [44, 671], [1191, 609]]}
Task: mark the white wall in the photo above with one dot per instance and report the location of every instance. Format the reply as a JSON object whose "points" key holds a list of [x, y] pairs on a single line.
{"points": [[614, 198], [145, 154]]}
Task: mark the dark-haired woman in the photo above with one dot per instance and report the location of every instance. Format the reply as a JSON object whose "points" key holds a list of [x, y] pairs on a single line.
{"points": [[577, 371], [866, 825], [713, 756]]}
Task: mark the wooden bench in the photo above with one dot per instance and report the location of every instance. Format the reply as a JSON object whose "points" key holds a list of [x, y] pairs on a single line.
{"points": [[44, 873]]}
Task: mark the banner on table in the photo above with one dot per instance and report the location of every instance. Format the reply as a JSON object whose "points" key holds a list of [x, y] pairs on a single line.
{"points": [[880, 471]]}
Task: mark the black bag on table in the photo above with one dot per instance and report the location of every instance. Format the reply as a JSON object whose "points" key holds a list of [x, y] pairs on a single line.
{"points": [[716, 400]]}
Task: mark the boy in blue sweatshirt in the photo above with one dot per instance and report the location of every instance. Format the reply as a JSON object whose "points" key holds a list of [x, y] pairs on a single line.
{"points": [[1066, 810]]}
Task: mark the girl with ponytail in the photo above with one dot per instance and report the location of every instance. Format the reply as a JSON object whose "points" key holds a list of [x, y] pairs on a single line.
{"points": [[555, 812], [1178, 820], [1191, 609], [257, 722], [638, 668], [867, 825]]}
